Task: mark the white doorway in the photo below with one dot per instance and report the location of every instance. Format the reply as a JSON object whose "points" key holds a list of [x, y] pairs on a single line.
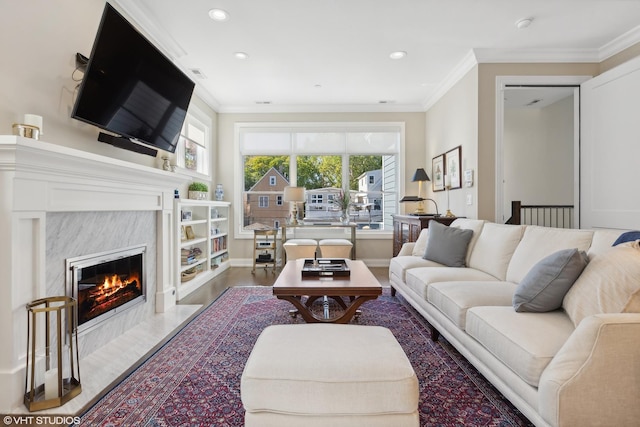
{"points": [[537, 143]]}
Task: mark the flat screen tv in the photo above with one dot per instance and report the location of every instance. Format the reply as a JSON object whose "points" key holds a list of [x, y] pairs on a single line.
{"points": [[131, 89]]}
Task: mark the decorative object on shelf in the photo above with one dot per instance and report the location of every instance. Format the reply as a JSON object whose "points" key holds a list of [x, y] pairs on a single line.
{"points": [[452, 169], [30, 128], [189, 232], [447, 185], [58, 374], [294, 195], [198, 191], [186, 215], [166, 164], [176, 194], [437, 171], [219, 193]]}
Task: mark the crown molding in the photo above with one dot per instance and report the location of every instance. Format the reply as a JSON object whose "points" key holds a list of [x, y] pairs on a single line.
{"points": [[619, 44], [322, 108], [459, 71], [488, 56]]}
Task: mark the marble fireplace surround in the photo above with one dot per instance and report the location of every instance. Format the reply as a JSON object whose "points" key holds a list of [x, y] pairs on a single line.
{"points": [[54, 200]]}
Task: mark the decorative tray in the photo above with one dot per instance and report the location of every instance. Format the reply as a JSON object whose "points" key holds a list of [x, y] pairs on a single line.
{"points": [[325, 267]]}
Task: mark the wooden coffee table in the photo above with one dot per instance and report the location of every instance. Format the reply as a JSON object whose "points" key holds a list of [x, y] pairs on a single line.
{"points": [[359, 287]]}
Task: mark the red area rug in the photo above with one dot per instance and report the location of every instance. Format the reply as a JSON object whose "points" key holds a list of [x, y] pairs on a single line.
{"points": [[194, 380]]}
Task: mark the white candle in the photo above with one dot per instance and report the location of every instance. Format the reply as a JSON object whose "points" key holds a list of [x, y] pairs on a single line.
{"points": [[34, 120], [447, 180], [51, 384]]}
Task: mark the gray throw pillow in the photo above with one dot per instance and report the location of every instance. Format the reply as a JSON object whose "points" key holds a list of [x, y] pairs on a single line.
{"points": [[447, 245], [545, 285]]}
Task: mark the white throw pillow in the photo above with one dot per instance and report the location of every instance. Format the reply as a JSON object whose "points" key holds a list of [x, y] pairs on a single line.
{"points": [[609, 284], [421, 244]]}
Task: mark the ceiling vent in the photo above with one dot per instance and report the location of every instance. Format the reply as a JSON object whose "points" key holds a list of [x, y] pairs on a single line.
{"points": [[198, 73]]}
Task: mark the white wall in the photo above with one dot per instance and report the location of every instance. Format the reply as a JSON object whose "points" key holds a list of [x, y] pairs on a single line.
{"points": [[453, 121], [538, 155]]}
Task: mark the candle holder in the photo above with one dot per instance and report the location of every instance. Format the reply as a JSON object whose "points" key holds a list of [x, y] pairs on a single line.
{"points": [[447, 186], [52, 371]]}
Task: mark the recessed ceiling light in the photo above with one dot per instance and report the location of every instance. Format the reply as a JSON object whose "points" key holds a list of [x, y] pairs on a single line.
{"points": [[398, 54], [241, 55], [218, 15], [523, 23]]}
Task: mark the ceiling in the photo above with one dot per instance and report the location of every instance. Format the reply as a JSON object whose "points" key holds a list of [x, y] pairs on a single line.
{"points": [[333, 55]]}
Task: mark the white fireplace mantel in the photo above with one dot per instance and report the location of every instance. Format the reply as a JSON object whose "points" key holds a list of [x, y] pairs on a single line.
{"points": [[37, 178]]}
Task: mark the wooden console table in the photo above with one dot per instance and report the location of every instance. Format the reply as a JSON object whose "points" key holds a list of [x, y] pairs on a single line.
{"points": [[406, 228]]}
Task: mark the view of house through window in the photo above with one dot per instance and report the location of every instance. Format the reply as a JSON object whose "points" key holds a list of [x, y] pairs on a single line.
{"points": [[359, 166]]}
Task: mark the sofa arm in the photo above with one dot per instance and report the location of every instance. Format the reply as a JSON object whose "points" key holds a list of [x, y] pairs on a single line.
{"points": [[594, 379], [406, 249]]}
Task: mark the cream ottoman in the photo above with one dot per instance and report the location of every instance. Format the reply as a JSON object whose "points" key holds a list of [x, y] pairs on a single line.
{"points": [[329, 375], [335, 248], [300, 248]]}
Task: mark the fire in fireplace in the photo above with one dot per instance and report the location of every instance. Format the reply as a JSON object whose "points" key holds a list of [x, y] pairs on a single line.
{"points": [[105, 284]]}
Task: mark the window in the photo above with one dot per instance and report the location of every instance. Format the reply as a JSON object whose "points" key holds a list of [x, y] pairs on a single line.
{"points": [[192, 152], [327, 159]]}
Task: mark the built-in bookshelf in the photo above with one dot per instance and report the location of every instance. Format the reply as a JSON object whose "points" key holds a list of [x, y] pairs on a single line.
{"points": [[202, 230]]}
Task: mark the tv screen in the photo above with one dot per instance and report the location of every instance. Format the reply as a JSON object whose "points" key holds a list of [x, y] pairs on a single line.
{"points": [[130, 88]]}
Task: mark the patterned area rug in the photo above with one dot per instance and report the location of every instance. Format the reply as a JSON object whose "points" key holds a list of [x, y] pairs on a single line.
{"points": [[194, 380]]}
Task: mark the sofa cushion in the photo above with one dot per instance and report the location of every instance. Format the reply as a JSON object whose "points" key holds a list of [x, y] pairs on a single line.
{"points": [[419, 279], [421, 243], [399, 265], [453, 299], [474, 225], [525, 342], [494, 248], [546, 284], [539, 242], [603, 239], [609, 284], [447, 245]]}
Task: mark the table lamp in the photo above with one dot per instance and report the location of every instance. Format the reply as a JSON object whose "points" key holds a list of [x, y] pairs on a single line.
{"points": [[420, 176], [294, 195]]}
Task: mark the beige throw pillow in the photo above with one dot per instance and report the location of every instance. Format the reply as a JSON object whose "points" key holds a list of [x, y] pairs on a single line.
{"points": [[610, 283]]}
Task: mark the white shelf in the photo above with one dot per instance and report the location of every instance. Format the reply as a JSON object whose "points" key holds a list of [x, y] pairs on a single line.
{"points": [[209, 221]]}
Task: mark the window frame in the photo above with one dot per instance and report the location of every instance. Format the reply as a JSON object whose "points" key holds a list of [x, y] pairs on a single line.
{"points": [[294, 128], [198, 118]]}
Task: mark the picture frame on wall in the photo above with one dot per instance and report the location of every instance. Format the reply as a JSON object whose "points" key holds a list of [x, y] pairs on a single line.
{"points": [[437, 172], [452, 160]]}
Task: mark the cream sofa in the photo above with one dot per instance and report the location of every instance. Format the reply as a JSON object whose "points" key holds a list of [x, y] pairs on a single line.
{"points": [[575, 366]]}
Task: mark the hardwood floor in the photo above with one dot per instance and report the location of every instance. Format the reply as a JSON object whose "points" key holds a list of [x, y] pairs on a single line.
{"points": [[241, 276]]}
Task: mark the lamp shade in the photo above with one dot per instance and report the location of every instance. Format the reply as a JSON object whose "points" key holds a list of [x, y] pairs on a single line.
{"points": [[420, 175], [294, 194]]}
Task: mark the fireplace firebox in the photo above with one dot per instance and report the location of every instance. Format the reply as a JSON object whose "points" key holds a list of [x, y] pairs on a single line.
{"points": [[106, 283]]}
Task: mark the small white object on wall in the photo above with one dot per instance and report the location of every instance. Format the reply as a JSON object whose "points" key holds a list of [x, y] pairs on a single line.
{"points": [[468, 178]]}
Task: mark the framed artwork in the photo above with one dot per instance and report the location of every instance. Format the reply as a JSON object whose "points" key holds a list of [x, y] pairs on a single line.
{"points": [[186, 215], [189, 231], [437, 172], [452, 160]]}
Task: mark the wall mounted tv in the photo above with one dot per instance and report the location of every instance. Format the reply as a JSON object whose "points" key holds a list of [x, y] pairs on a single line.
{"points": [[132, 90]]}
